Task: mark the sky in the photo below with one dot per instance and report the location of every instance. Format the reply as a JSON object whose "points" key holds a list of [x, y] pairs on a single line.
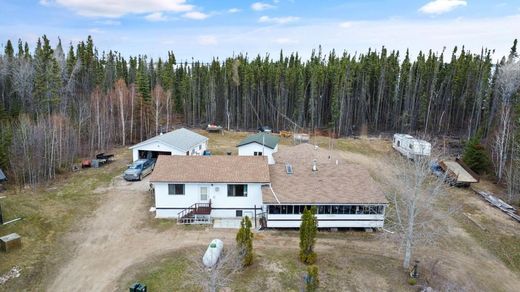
{"points": [[204, 29]]}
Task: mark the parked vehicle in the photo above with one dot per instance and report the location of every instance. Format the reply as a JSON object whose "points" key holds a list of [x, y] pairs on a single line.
{"points": [[139, 169], [265, 129], [410, 146]]}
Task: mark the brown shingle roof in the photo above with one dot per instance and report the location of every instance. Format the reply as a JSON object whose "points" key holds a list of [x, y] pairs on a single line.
{"points": [[211, 169], [345, 182]]}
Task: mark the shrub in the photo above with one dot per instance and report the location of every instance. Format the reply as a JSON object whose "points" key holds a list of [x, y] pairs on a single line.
{"points": [[312, 281], [245, 241], [308, 230]]}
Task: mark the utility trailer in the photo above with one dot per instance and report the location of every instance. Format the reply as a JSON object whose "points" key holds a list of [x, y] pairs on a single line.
{"points": [[458, 173], [411, 147]]}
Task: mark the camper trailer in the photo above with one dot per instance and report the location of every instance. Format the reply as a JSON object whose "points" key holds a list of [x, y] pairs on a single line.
{"points": [[410, 146]]}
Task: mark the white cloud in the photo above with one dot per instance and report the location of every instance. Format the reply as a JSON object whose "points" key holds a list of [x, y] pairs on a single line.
{"points": [[233, 10], [95, 30], [118, 8], [259, 6], [278, 20], [197, 15], [207, 40], [346, 24], [285, 41], [156, 16], [109, 22], [441, 6]]}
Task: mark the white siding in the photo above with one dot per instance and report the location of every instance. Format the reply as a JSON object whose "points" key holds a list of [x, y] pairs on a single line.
{"points": [[222, 205], [328, 220], [159, 146], [249, 149]]}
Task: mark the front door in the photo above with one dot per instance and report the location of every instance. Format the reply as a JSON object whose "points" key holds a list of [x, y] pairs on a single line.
{"points": [[203, 194]]}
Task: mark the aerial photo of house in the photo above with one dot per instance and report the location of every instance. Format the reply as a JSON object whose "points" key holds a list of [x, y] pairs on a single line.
{"points": [[261, 145]]}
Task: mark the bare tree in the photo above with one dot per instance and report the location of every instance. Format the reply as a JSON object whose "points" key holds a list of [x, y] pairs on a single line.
{"points": [[412, 215], [508, 84], [158, 100], [217, 277]]}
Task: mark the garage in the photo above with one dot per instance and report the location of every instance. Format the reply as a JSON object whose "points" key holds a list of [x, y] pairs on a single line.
{"points": [[178, 142], [148, 154]]}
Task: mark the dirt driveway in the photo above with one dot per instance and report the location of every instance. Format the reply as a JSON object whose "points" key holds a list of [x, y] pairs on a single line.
{"points": [[116, 237]]}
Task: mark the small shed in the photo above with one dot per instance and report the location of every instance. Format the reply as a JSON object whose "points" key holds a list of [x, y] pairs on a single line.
{"points": [[260, 144], [178, 142]]}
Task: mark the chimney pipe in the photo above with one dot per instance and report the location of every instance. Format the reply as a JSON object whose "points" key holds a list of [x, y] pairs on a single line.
{"points": [[314, 166]]}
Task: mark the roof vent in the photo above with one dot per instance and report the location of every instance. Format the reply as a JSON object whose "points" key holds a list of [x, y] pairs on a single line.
{"points": [[314, 166], [288, 168]]}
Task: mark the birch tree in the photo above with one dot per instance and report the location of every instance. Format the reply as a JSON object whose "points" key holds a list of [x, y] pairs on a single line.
{"points": [[413, 215], [218, 276], [508, 84]]}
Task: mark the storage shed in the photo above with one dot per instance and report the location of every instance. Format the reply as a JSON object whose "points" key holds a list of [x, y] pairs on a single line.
{"points": [[260, 144], [178, 142]]}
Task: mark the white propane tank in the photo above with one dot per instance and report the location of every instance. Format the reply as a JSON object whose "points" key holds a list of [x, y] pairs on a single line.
{"points": [[212, 254]]}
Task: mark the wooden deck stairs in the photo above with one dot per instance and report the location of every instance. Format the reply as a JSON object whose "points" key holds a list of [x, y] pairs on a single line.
{"points": [[198, 213]]}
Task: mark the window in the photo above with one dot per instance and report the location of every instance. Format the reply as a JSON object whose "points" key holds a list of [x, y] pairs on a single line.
{"points": [[410, 146], [237, 191], [203, 193], [398, 143], [175, 189], [238, 213], [273, 209], [257, 153], [200, 147], [187, 153]]}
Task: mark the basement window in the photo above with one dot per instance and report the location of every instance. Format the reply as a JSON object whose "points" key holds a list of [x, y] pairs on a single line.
{"points": [[175, 189], [237, 190]]}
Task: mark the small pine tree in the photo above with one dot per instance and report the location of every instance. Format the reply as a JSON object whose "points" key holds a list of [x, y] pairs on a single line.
{"points": [[245, 241], [475, 156], [312, 281], [308, 231]]}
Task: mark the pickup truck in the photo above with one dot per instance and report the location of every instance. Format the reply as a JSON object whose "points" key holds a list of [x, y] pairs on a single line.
{"points": [[139, 169]]}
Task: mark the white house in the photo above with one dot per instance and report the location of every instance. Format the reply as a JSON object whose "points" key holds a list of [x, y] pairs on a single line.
{"points": [[344, 194], [197, 188], [178, 142], [260, 144], [410, 146]]}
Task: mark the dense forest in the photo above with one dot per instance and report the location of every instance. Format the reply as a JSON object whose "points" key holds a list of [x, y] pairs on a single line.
{"points": [[58, 103]]}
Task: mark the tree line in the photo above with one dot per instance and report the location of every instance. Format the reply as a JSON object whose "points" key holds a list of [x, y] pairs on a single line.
{"points": [[60, 103]]}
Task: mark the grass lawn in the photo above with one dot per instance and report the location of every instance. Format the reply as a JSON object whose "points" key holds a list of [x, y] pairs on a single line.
{"points": [[49, 212]]}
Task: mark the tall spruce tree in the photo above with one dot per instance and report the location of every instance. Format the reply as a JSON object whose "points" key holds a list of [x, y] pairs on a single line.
{"points": [[308, 231], [244, 241]]}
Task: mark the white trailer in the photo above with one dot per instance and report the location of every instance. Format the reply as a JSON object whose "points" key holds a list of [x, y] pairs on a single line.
{"points": [[410, 146]]}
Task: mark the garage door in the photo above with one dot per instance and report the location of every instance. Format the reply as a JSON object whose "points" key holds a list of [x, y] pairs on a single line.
{"points": [[145, 154]]}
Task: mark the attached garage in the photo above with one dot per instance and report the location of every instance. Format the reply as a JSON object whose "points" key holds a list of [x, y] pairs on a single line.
{"points": [[178, 142]]}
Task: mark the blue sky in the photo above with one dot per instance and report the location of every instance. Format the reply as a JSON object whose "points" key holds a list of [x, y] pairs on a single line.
{"points": [[203, 29]]}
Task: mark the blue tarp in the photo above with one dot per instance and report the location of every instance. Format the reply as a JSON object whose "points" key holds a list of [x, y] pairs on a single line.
{"points": [[2, 176]]}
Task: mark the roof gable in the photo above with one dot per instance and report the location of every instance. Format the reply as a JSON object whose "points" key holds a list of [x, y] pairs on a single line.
{"points": [[265, 139], [182, 139]]}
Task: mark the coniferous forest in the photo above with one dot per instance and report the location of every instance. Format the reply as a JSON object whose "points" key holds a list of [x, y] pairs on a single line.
{"points": [[65, 101]]}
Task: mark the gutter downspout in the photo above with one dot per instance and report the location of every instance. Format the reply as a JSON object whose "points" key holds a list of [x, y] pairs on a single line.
{"points": [[274, 194]]}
